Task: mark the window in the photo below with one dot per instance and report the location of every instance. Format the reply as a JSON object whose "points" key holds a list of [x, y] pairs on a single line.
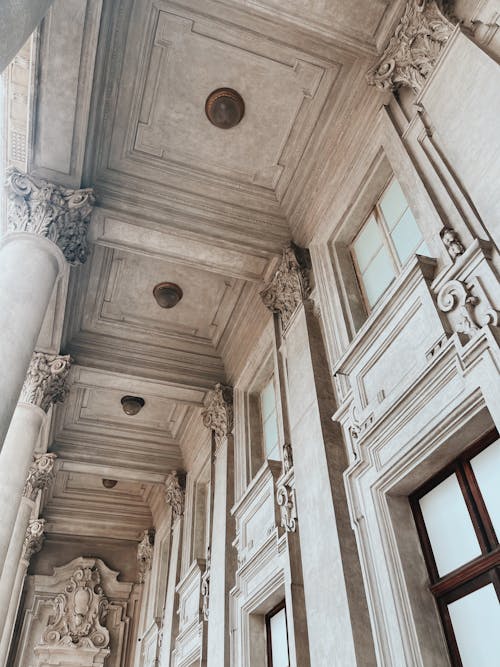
{"points": [[457, 514], [269, 421], [277, 639], [385, 243]]}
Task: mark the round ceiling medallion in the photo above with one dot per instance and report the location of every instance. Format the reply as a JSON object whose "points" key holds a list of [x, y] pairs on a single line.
{"points": [[132, 404], [167, 295], [224, 108]]}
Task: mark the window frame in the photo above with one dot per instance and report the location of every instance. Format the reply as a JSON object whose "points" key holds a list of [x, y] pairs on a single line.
{"points": [[281, 605], [475, 573]]}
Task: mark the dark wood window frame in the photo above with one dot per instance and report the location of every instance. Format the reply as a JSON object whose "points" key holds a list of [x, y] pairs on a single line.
{"points": [[475, 573], [268, 617]]}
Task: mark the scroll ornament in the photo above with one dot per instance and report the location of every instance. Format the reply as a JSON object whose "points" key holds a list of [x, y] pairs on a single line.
{"points": [[45, 381], [34, 538], [40, 475]]}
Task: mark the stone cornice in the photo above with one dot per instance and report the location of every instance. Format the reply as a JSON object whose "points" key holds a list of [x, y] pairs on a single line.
{"points": [[175, 493], [45, 381], [60, 214], [34, 538], [218, 414], [40, 475], [413, 51], [290, 284]]}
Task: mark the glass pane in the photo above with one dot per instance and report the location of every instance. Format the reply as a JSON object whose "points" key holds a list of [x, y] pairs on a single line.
{"points": [[268, 399], [423, 249], [378, 275], [449, 526], [486, 467], [393, 204], [476, 624], [274, 455], [368, 241], [406, 236], [270, 427], [279, 640]]}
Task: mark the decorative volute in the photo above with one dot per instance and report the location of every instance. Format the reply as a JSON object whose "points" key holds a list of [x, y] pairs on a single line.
{"points": [[34, 538], [57, 213], [413, 51], [290, 285], [175, 493], [218, 413], [45, 381], [40, 475]]}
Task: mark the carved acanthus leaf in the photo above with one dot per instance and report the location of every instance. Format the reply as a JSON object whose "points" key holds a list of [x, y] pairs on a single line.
{"points": [[34, 538], [59, 214], [218, 413], [175, 493], [290, 284], [145, 554], [45, 381], [79, 612], [414, 49], [40, 475]]}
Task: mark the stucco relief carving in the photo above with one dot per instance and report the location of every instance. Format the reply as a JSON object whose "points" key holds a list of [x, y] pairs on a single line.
{"points": [[290, 285], [59, 214], [218, 413], [414, 49], [457, 296], [205, 589], [175, 493], [451, 242], [45, 381], [145, 554], [40, 475], [79, 613], [287, 457], [34, 538], [285, 497]]}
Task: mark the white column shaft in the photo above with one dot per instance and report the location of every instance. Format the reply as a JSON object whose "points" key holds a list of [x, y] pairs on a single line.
{"points": [[29, 267], [15, 459]]}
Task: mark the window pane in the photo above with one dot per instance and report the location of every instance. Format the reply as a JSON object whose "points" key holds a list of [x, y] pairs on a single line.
{"points": [[268, 399], [476, 624], [279, 641], [393, 203], [406, 236], [378, 275], [270, 427], [449, 526], [368, 241], [423, 249], [486, 467]]}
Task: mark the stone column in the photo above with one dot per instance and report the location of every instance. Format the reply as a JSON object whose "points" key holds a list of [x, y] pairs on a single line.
{"points": [[47, 227], [219, 578], [17, 21], [45, 384], [31, 542], [312, 493], [175, 497]]}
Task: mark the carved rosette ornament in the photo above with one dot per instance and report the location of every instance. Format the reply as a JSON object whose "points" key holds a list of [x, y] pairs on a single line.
{"points": [[175, 493], [290, 284], [218, 413], [145, 554], [40, 475], [413, 51], [45, 381], [60, 214], [34, 538], [79, 613]]}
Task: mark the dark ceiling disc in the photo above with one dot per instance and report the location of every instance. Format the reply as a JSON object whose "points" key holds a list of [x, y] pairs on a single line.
{"points": [[224, 108], [167, 295]]}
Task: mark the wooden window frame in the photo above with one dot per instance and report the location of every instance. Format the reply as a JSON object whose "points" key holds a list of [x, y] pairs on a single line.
{"points": [[477, 572], [268, 617]]}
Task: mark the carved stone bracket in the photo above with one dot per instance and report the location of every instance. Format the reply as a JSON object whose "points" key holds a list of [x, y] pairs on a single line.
{"points": [[457, 296], [175, 493], [413, 51], [79, 613], [205, 589], [290, 285], [145, 554], [218, 413], [45, 381], [34, 538], [40, 475], [59, 214], [285, 497]]}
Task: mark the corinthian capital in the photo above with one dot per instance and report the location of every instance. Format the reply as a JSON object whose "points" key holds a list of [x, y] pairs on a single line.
{"points": [[218, 413], [45, 380], [40, 475], [290, 284], [175, 493], [415, 47], [145, 554], [60, 214], [34, 538]]}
